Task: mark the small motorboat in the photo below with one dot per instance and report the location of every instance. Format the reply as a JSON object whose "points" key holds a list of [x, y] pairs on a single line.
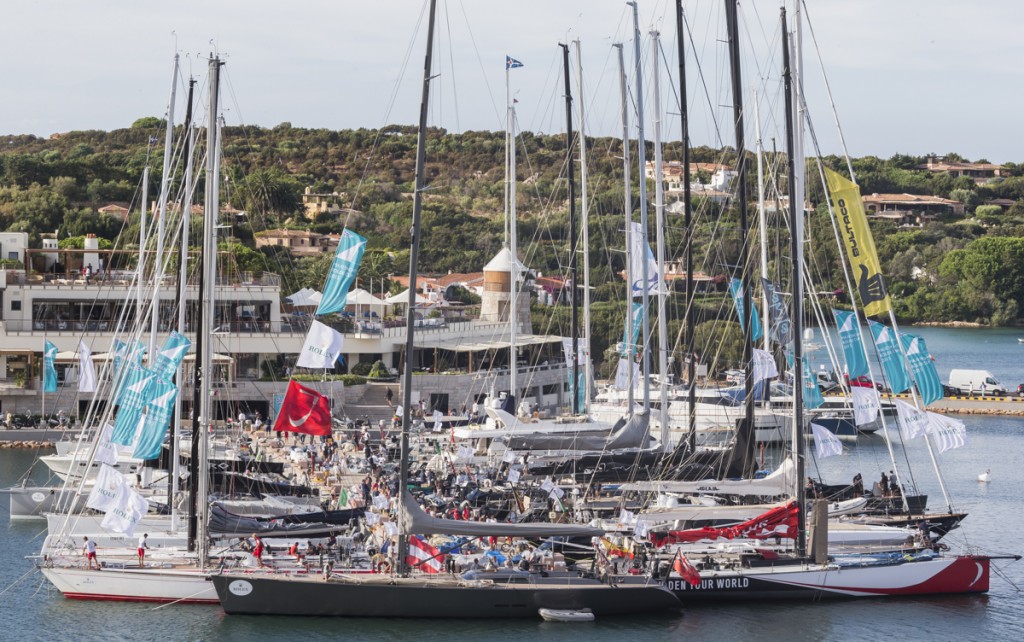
{"points": [[566, 615]]}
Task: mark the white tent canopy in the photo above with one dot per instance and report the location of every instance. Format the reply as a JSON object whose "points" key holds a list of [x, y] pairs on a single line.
{"points": [[305, 297], [402, 298], [361, 297]]}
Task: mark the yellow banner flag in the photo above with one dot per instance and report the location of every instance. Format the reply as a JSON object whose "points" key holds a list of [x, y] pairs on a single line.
{"points": [[860, 245]]}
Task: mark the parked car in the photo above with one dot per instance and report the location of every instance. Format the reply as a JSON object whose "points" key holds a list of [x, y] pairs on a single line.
{"points": [[950, 391], [863, 382], [1020, 389]]}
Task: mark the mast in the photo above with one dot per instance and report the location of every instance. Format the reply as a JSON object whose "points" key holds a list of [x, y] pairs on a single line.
{"points": [[797, 250], [165, 181], [414, 251], [627, 210], [143, 223], [510, 191], [641, 160], [181, 301], [587, 368], [691, 370], [762, 217], [204, 416], [659, 226], [747, 426], [575, 323]]}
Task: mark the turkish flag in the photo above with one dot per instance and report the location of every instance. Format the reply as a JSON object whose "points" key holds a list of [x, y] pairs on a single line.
{"points": [[685, 570], [304, 410]]}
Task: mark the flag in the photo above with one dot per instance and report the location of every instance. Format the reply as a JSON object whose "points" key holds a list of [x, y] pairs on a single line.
{"points": [[513, 475], [638, 317], [949, 432], [304, 410], [49, 370], [134, 395], [126, 515], [170, 356], [686, 570], [865, 404], [764, 366], [105, 452], [860, 245], [581, 357], [343, 272], [736, 288], [780, 328], [825, 443], [853, 346], [424, 556], [159, 412], [107, 489], [622, 373], [86, 369], [639, 252], [322, 347], [913, 421], [812, 393], [921, 365], [891, 356], [437, 420], [512, 63]]}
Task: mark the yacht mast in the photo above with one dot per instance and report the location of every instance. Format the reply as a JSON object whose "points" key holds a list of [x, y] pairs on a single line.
{"points": [[659, 225], [165, 182], [691, 370], [627, 211], [644, 244], [510, 190], [414, 251], [573, 247], [587, 368]]}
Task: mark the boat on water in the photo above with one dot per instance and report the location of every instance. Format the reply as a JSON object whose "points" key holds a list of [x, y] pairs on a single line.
{"points": [[417, 593]]}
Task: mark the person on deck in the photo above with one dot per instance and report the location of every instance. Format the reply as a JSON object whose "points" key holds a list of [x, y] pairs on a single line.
{"points": [[257, 549], [143, 545], [884, 484], [89, 550], [390, 397], [858, 485]]}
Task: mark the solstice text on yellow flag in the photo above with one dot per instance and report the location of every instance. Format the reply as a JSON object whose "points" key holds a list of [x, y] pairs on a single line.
{"points": [[860, 245]]}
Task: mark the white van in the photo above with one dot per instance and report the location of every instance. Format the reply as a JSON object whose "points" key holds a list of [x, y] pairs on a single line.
{"points": [[976, 382]]}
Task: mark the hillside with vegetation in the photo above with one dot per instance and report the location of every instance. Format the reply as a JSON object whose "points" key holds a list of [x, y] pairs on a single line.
{"points": [[954, 268]]}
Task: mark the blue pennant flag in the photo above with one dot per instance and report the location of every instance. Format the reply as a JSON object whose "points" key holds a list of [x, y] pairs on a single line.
{"points": [[853, 346], [169, 357], [736, 288], [512, 63], [812, 393], [891, 357], [159, 411], [923, 368], [49, 369], [343, 272], [134, 395], [638, 317], [780, 328]]}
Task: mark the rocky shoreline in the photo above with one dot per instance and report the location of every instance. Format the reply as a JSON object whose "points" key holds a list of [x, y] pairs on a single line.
{"points": [[10, 445]]}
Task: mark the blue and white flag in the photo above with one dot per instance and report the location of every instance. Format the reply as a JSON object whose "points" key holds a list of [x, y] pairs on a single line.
{"points": [[159, 411], [764, 366], [169, 357], [736, 288], [923, 368], [780, 328], [126, 515], [322, 347], [913, 421], [639, 252], [49, 369], [512, 63], [638, 317], [107, 490], [812, 393], [133, 398], [825, 443], [343, 272], [853, 346], [891, 356], [866, 404]]}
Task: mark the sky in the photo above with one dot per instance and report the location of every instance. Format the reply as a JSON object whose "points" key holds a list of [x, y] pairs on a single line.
{"points": [[907, 76]]}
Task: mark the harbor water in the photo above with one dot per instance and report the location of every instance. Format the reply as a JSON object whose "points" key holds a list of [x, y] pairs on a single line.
{"points": [[30, 609]]}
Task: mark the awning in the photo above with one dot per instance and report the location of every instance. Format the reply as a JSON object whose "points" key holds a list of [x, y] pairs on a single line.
{"points": [[403, 298], [480, 344]]}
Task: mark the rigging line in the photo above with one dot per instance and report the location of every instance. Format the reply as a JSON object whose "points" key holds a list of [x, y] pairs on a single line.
{"points": [[451, 67], [483, 70], [707, 93]]}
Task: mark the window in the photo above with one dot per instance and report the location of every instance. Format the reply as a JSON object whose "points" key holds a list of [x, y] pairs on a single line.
{"points": [[15, 306]]}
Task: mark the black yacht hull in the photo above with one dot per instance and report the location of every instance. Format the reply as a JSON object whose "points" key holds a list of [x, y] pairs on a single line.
{"points": [[441, 597]]}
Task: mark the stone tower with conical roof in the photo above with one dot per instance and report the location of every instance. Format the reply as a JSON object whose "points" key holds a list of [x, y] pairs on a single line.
{"points": [[497, 296]]}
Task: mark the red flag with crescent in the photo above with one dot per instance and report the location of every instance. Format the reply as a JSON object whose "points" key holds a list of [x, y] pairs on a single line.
{"points": [[304, 410]]}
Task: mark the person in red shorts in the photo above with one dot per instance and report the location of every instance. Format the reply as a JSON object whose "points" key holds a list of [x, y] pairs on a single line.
{"points": [[89, 550], [143, 545]]}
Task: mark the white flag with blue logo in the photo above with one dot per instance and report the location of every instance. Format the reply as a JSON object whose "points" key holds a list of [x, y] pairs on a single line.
{"points": [[86, 369], [825, 443]]}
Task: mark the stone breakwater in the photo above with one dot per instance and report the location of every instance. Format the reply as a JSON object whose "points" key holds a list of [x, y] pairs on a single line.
{"points": [[7, 445], [1009, 412]]}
